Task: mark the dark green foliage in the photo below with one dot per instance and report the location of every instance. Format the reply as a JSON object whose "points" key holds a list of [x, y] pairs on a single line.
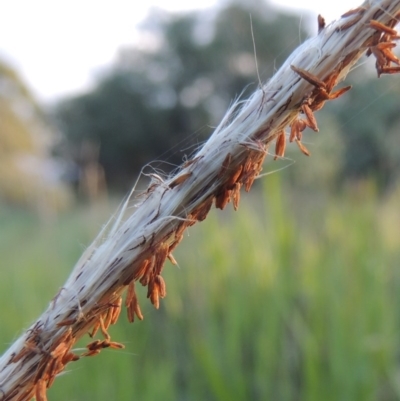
{"points": [[117, 116], [369, 118], [159, 104]]}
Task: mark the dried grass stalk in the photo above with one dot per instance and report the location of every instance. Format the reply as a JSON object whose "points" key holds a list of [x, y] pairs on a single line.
{"points": [[136, 249]]}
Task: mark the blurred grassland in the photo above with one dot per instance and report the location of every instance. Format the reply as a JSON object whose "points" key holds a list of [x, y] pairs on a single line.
{"points": [[295, 297]]}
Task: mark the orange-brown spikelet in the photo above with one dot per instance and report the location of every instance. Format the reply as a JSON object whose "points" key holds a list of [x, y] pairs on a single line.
{"points": [[351, 22], [385, 49], [382, 45], [192, 161], [160, 257], [141, 270], [201, 212], [60, 350], [137, 310], [176, 241], [93, 345], [251, 168], [390, 70], [172, 259], [155, 296], [96, 346], [160, 283], [116, 345], [180, 179], [321, 23], [95, 329], [179, 231], [40, 390], [66, 337], [303, 148], [222, 199], [311, 121], [236, 196], [103, 328], [382, 27], [132, 304], [107, 317], [55, 367], [339, 92], [280, 145], [312, 79], [116, 310], [148, 272], [69, 357], [294, 131], [383, 53], [357, 10], [234, 177], [320, 94], [92, 352]]}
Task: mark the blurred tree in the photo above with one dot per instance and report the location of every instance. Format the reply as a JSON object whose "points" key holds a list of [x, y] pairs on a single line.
{"points": [[156, 99], [370, 134], [28, 173]]}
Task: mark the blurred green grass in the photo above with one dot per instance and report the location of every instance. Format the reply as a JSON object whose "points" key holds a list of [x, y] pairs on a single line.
{"points": [[294, 297]]}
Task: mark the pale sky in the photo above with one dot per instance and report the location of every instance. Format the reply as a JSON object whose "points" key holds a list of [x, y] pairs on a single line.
{"points": [[57, 46]]}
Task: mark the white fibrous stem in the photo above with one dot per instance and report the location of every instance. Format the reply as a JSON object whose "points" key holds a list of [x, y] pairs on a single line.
{"points": [[135, 247]]}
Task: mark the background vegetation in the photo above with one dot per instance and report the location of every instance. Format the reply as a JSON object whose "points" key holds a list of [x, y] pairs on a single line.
{"points": [[292, 298], [295, 297]]}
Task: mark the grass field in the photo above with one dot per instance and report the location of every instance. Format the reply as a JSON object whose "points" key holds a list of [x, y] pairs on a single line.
{"points": [[294, 297]]}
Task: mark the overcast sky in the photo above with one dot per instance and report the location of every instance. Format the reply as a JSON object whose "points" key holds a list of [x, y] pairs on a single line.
{"points": [[57, 46]]}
